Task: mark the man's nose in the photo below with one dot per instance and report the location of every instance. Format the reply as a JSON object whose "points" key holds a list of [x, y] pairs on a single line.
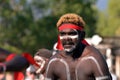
{"points": [[67, 38]]}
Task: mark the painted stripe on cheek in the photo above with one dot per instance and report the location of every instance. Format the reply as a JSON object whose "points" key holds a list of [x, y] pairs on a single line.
{"points": [[72, 37]]}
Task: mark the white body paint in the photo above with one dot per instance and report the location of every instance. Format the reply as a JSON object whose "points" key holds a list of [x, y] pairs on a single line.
{"points": [[97, 64], [64, 62], [91, 58], [102, 77]]}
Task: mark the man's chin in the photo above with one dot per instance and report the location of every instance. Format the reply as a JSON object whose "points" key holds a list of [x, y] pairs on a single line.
{"points": [[69, 50]]}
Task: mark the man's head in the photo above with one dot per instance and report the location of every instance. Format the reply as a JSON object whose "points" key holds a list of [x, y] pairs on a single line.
{"points": [[71, 31], [41, 58]]}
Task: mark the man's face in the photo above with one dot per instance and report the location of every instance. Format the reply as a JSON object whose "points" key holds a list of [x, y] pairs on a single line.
{"points": [[69, 39], [41, 62]]}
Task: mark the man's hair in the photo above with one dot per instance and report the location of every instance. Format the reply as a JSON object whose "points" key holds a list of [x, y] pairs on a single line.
{"points": [[44, 53], [71, 18]]}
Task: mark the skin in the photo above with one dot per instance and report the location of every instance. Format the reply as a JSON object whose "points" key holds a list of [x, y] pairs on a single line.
{"points": [[77, 61], [42, 61]]}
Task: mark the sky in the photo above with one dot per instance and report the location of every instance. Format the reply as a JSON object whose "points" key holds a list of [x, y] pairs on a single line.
{"points": [[102, 4]]}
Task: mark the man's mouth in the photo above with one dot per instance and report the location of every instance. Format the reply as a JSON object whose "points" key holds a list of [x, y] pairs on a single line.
{"points": [[68, 45]]}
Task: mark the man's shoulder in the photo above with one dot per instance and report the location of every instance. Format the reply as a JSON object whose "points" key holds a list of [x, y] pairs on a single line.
{"points": [[92, 50], [55, 60], [58, 55]]}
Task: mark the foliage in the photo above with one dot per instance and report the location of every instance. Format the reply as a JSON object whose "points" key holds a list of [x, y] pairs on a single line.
{"points": [[110, 19], [28, 26], [85, 8]]}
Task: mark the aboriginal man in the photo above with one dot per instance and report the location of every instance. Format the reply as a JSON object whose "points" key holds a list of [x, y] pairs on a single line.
{"points": [[76, 60]]}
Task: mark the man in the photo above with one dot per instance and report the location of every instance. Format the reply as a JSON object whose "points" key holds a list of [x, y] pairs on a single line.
{"points": [[30, 73], [76, 59], [41, 58], [15, 65]]}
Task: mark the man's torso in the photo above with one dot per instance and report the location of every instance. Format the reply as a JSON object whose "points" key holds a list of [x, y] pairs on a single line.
{"points": [[75, 69]]}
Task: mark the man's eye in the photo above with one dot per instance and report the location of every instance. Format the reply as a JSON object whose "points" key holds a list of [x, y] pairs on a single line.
{"points": [[73, 33], [37, 60], [70, 33], [62, 33]]}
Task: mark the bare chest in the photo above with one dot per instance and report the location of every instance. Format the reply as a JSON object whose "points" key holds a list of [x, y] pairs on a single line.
{"points": [[77, 69]]}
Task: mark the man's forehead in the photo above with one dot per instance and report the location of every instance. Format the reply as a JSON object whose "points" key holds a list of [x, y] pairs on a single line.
{"points": [[71, 26], [38, 57], [69, 30]]}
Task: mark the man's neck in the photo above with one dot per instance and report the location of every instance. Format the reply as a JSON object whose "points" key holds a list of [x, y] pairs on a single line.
{"points": [[76, 53]]}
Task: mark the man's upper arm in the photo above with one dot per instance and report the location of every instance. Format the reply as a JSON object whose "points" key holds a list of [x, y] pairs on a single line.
{"points": [[49, 70], [101, 71]]}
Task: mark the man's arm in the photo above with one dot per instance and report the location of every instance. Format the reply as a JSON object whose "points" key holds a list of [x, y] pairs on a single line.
{"points": [[49, 70], [101, 71]]}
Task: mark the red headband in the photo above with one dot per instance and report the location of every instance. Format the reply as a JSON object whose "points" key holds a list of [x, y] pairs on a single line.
{"points": [[71, 26]]}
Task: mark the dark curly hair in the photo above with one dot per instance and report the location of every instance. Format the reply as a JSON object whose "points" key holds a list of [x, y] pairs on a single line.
{"points": [[44, 53]]}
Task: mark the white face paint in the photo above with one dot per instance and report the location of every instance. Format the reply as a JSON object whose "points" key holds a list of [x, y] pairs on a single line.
{"points": [[41, 62], [70, 49], [70, 35]]}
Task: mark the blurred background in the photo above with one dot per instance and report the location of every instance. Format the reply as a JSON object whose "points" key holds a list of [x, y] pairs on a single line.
{"points": [[28, 25]]}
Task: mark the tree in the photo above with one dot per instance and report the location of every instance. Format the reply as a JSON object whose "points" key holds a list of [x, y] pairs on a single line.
{"points": [[28, 26], [85, 8], [111, 19]]}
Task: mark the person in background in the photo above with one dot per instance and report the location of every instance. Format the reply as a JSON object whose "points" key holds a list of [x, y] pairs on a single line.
{"points": [[76, 59], [16, 65], [30, 73], [42, 57], [2, 74]]}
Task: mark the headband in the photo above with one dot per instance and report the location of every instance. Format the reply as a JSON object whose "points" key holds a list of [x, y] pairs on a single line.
{"points": [[71, 26]]}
